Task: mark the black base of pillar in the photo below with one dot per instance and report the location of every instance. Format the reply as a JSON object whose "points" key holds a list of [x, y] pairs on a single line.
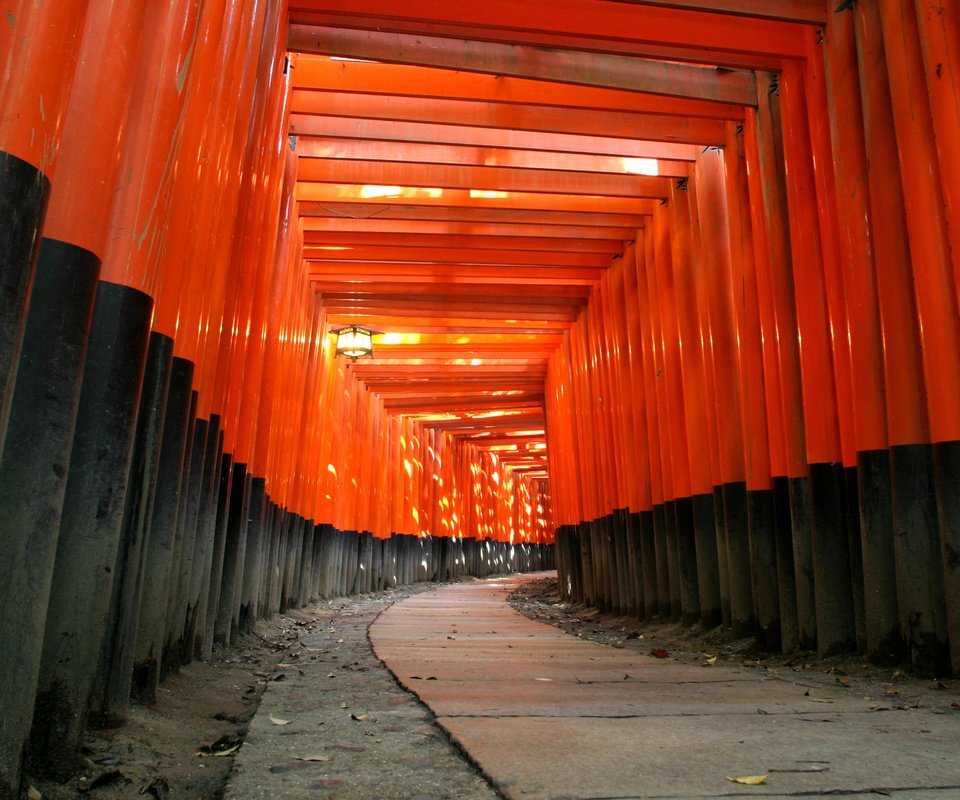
{"points": [[946, 459], [836, 625], [87, 546], [763, 568], [33, 474], [921, 595], [23, 200], [737, 527]]}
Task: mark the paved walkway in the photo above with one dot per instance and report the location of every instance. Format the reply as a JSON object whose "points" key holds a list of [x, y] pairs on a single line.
{"points": [[547, 715]]}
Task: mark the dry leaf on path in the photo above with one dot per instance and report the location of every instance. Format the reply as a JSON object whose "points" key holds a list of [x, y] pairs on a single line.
{"points": [[710, 661], [659, 652], [278, 721], [312, 758], [748, 780]]}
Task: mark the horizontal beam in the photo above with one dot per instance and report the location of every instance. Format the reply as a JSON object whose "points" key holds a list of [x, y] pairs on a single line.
{"points": [[452, 256], [600, 70], [812, 12], [431, 352], [372, 211], [489, 292], [450, 310], [452, 388], [430, 242], [632, 146], [648, 28], [507, 303], [423, 196], [440, 275], [492, 178], [612, 237], [418, 153], [504, 116], [503, 424], [469, 403], [465, 327], [321, 73]]}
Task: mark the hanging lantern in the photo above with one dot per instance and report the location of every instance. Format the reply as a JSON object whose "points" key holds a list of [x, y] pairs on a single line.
{"points": [[355, 342]]}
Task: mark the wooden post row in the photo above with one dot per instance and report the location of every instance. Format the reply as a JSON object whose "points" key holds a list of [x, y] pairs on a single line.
{"points": [[156, 309], [755, 419]]}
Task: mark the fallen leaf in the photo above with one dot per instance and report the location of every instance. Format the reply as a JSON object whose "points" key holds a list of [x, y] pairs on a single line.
{"points": [[220, 753], [659, 652], [710, 661], [33, 794], [955, 705], [748, 780], [543, 679], [278, 721], [818, 700], [312, 758], [892, 691], [358, 717]]}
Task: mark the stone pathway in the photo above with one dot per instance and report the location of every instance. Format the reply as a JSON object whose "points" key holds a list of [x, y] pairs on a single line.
{"points": [[547, 715], [333, 723]]}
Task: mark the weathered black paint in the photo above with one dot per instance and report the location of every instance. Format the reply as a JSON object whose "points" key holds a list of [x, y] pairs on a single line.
{"points": [[884, 645], [89, 538], [763, 568], [160, 544], [737, 529], [946, 459], [786, 577], [801, 523], [24, 191], [33, 475], [836, 627], [687, 561], [110, 699], [921, 594], [708, 572]]}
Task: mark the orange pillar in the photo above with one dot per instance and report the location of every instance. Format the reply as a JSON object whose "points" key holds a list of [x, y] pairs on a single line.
{"points": [[39, 44], [921, 580], [55, 519]]}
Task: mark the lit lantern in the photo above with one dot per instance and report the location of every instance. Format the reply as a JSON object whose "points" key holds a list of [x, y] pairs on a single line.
{"points": [[354, 341]]}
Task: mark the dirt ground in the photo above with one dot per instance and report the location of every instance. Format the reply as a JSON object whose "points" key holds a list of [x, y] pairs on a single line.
{"points": [[883, 688], [182, 748]]}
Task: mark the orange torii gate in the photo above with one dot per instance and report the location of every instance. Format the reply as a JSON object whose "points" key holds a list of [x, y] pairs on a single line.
{"points": [[673, 283]]}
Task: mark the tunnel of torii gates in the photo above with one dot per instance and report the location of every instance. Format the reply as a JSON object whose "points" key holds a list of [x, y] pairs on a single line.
{"points": [[666, 294]]}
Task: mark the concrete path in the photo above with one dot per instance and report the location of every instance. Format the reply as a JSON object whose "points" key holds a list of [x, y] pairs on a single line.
{"points": [[548, 715]]}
